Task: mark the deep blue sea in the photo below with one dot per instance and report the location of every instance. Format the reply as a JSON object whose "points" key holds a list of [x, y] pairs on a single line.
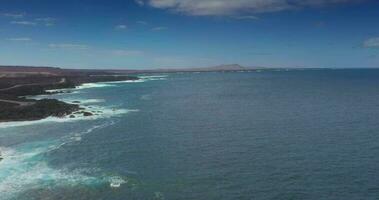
{"points": [[288, 135]]}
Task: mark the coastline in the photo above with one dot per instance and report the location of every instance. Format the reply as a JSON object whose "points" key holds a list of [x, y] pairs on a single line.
{"points": [[14, 107]]}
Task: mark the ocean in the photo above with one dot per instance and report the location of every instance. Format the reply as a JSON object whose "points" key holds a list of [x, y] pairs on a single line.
{"points": [[292, 135]]}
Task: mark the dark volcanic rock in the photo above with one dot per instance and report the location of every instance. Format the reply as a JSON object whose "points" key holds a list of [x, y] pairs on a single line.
{"points": [[13, 88], [87, 114], [39, 110]]}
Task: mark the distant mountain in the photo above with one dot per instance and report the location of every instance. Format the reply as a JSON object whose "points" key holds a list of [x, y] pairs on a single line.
{"points": [[218, 68], [232, 67]]}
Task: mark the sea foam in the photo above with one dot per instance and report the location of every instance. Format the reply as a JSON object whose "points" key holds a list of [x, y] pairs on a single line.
{"points": [[23, 167], [99, 113]]}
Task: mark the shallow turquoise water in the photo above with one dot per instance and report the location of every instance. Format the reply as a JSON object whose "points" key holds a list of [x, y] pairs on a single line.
{"points": [[270, 135]]}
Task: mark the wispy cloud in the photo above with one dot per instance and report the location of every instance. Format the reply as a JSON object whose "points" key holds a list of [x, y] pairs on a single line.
{"points": [[235, 7], [121, 27], [25, 23], [159, 28], [120, 52], [69, 46], [47, 21], [140, 2], [14, 15], [246, 17], [21, 39], [371, 43], [142, 22]]}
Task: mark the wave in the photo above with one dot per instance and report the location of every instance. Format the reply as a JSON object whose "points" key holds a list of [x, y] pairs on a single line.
{"points": [[98, 113], [59, 91], [114, 83], [93, 85], [23, 167], [107, 84], [84, 101], [130, 81], [146, 97], [116, 181], [153, 76], [143, 79]]}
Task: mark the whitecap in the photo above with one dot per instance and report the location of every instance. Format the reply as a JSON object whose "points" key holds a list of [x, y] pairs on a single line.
{"points": [[23, 169], [146, 97], [130, 81], [84, 101], [93, 85], [99, 113], [116, 181], [153, 76]]}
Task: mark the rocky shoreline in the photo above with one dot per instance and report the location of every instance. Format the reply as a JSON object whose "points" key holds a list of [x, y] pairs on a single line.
{"points": [[15, 107]]}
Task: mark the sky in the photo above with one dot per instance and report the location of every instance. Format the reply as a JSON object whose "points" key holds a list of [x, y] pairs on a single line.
{"points": [[143, 34]]}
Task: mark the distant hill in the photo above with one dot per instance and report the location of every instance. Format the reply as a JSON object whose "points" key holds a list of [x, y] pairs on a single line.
{"points": [[19, 71], [27, 71], [233, 67], [218, 68]]}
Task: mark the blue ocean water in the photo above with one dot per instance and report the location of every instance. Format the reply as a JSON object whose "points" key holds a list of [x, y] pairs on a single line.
{"points": [[304, 134]]}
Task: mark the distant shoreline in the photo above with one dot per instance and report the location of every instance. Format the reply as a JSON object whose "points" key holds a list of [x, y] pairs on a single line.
{"points": [[16, 82]]}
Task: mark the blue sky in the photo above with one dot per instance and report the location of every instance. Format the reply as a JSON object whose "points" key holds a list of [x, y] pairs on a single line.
{"points": [[140, 34]]}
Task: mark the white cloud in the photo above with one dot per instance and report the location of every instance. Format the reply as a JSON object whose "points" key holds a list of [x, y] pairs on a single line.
{"points": [[127, 52], [235, 7], [23, 39], [140, 2], [371, 43], [121, 27], [159, 28], [69, 46], [142, 22], [246, 17], [47, 21], [49, 24], [14, 15], [26, 23]]}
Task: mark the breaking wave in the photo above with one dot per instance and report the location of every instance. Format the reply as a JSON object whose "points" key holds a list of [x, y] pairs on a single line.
{"points": [[24, 167]]}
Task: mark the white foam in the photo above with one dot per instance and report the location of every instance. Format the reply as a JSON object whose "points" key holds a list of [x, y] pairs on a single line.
{"points": [[99, 113], [153, 76], [84, 101], [116, 181], [93, 85], [76, 138], [146, 97], [59, 90], [107, 84], [23, 169], [53, 96], [130, 81]]}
